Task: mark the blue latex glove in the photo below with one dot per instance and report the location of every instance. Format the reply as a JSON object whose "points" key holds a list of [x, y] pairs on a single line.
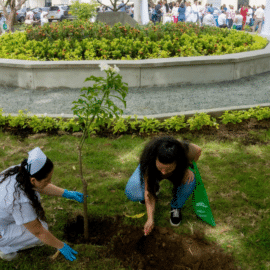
{"points": [[73, 195], [68, 252]]}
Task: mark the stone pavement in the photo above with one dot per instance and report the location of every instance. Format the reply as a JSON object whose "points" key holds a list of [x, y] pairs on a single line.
{"points": [[151, 102]]}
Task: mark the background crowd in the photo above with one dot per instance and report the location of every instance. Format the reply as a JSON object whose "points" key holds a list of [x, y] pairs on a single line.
{"points": [[223, 17], [180, 11]]}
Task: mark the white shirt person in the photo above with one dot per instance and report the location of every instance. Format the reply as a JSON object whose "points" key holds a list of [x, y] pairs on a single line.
{"points": [[22, 218]]}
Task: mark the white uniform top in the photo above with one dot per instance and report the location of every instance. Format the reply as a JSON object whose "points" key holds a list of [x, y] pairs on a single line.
{"points": [[259, 13], [22, 212], [195, 13], [188, 14], [43, 15], [221, 19], [208, 19], [31, 15], [239, 18], [175, 11]]}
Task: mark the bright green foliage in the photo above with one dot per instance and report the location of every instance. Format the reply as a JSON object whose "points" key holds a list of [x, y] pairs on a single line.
{"points": [[3, 119], [83, 40], [150, 125], [83, 11], [19, 121], [175, 123], [127, 125], [200, 120], [95, 105], [238, 116], [121, 125]]}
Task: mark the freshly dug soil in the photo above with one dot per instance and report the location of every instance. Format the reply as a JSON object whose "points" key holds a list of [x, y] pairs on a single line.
{"points": [[162, 249]]}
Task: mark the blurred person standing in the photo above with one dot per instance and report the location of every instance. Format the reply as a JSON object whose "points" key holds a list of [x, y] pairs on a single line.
{"points": [[243, 12], [2, 21], [222, 20], [229, 19], [211, 9], [195, 12], [182, 12], [208, 19], [238, 21], [188, 13], [249, 16], [158, 11], [200, 10], [215, 14], [175, 13], [122, 7], [43, 17], [29, 19], [259, 17]]}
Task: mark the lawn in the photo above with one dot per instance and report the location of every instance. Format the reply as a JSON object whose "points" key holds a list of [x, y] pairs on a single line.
{"points": [[235, 177]]}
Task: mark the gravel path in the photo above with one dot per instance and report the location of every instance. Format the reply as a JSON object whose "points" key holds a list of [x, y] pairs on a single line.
{"points": [[147, 101]]}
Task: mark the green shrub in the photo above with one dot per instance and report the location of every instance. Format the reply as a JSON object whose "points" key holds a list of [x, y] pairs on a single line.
{"points": [[200, 120], [150, 125], [174, 123], [124, 125], [83, 40], [83, 11], [21, 120]]}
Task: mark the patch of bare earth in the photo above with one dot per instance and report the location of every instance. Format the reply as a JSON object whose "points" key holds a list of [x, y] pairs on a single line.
{"points": [[162, 249]]}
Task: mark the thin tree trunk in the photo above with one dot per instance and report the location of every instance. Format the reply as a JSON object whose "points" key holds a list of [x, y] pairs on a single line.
{"points": [[10, 21], [86, 232]]}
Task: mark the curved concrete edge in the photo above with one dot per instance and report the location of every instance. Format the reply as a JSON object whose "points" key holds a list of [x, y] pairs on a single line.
{"points": [[216, 112], [137, 73]]}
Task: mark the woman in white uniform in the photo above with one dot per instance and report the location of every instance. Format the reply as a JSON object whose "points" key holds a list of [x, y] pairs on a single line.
{"points": [[188, 14], [22, 218]]}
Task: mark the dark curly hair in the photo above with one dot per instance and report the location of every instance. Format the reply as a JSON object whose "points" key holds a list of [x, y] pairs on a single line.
{"points": [[168, 150], [23, 180]]}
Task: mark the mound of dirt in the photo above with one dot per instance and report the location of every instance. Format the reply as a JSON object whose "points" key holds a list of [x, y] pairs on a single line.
{"points": [[162, 249]]}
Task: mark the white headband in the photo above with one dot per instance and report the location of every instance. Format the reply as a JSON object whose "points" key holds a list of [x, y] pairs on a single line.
{"points": [[36, 160]]}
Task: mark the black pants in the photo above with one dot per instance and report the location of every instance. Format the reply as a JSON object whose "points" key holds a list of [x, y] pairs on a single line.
{"points": [[223, 26], [230, 23]]}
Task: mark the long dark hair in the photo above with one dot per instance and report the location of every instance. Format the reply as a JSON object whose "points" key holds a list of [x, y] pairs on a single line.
{"points": [[168, 150], [23, 183]]}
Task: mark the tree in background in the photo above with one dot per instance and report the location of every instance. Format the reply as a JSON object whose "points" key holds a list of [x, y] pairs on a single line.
{"points": [[83, 11], [10, 17], [114, 5]]}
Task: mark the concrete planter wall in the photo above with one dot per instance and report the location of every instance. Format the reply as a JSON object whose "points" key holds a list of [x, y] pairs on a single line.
{"points": [[138, 73]]}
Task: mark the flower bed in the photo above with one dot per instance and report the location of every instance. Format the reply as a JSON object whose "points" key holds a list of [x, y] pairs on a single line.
{"points": [[127, 125], [82, 40]]}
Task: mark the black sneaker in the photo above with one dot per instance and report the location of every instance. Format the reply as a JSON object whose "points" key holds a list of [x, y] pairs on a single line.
{"points": [[142, 202], [176, 217]]}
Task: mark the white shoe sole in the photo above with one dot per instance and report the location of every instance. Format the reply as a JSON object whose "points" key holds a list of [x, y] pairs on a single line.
{"points": [[175, 225], [9, 257]]}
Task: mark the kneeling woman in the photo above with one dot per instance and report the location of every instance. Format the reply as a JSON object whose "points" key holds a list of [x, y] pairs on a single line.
{"points": [[164, 158], [22, 218]]}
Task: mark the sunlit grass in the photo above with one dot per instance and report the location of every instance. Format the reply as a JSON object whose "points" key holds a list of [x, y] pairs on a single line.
{"points": [[234, 175]]}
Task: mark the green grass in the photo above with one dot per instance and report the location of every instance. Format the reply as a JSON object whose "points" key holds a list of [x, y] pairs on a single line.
{"points": [[235, 177]]}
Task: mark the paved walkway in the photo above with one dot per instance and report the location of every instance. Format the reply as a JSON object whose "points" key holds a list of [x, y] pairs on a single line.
{"points": [[155, 102]]}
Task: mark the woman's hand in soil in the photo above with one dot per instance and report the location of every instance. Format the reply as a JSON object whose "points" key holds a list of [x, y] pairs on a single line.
{"points": [[148, 227], [73, 195], [68, 252]]}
